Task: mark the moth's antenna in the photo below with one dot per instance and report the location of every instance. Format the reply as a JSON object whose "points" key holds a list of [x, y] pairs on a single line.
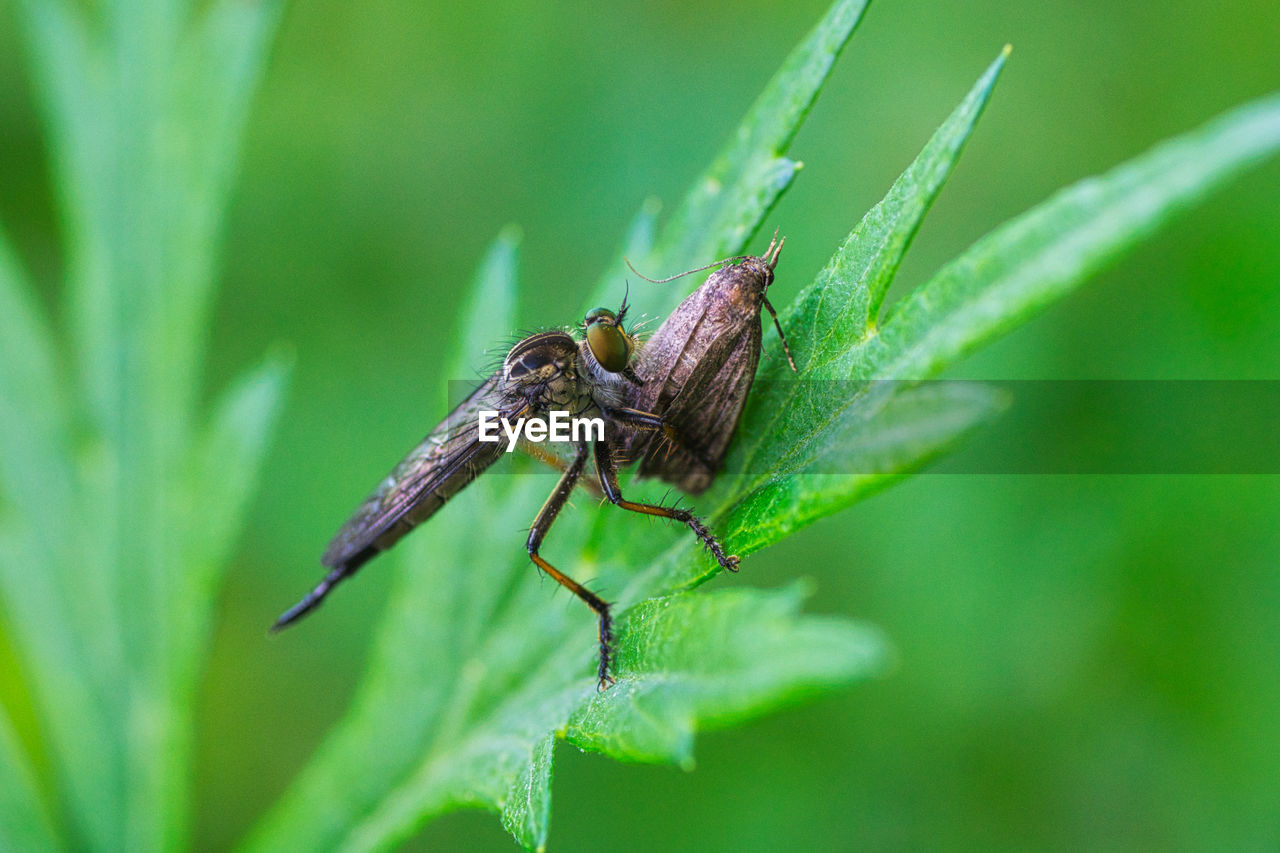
{"points": [[775, 249], [718, 263]]}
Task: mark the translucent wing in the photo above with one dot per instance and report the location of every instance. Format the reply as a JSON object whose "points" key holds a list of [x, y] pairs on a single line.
{"points": [[442, 464]]}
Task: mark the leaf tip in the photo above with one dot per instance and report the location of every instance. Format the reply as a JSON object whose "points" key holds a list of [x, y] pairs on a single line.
{"points": [[511, 234], [280, 358]]}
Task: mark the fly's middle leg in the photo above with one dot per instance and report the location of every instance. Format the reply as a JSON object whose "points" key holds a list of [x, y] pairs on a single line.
{"points": [[608, 474], [555, 502]]}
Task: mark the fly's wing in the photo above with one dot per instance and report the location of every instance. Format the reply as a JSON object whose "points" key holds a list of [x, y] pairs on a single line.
{"points": [[705, 413], [444, 463]]}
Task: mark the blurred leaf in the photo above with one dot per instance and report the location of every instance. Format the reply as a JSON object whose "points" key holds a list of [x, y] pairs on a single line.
{"points": [[223, 477], [114, 581], [24, 822], [1045, 253], [35, 471], [58, 618], [490, 309], [726, 204], [229, 455]]}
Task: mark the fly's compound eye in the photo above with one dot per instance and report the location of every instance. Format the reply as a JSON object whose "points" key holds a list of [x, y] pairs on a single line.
{"points": [[608, 343]]}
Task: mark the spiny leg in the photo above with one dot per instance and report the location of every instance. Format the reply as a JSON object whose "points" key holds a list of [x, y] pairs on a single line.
{"points": [[608, 473], [546, 515]]}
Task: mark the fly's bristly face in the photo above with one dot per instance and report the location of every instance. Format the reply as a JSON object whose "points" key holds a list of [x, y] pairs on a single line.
{"points": [[607, 349], [607, 341]]}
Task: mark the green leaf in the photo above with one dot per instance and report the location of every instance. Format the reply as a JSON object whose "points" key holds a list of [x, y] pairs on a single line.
{"points": [[883, 434], [677, 673], [24, 821], [223, 477], [1020, 267], [1043, 254], [145, 106], [35, 474], [810, 445], [832, 319], [45, 590], [526, 810], [493, 664], [727, 203]]}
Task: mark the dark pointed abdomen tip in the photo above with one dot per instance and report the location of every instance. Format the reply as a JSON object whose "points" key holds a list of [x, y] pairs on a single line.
{"points": [[294, 613]]}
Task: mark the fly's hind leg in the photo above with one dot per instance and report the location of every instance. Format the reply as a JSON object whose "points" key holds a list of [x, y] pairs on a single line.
{"points": [[608, 473], [547, 515]]}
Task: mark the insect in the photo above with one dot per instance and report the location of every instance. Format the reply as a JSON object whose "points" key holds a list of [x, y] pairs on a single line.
{"points": [[697, 368], [544, 374]]}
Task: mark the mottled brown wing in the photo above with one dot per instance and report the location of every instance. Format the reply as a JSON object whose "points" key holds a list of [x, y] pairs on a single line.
{"points": [[442, 464], [705, 414]]}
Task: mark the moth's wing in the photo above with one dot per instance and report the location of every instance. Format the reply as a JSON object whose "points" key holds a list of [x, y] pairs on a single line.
{"points": [[442, 464], [692, 340], [705, 414]]}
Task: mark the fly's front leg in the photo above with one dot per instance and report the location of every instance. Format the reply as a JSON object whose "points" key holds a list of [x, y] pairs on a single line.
{"points": [[546, 515], [648, 420], [608, 473]]}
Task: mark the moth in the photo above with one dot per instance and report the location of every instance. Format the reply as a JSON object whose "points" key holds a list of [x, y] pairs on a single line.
{"points": [[697, 368], [544, 373]]}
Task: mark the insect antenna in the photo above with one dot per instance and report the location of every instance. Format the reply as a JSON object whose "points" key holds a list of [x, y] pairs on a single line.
{"points": [[622, 312], [712, 265]]}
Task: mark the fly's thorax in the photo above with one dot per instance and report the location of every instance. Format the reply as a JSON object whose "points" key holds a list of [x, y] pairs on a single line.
{"points": [[542, 371], [569, 391]]}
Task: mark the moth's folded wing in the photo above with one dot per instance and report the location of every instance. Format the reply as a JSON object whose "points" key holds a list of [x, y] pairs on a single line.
{"points": [[705, 416]]}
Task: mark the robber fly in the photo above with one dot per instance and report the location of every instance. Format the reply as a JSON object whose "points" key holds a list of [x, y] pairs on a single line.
{"points": [[697, 369], [543, 373]]}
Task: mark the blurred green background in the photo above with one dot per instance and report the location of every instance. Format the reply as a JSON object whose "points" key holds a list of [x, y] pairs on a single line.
{"points": [[1082, 661]]}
